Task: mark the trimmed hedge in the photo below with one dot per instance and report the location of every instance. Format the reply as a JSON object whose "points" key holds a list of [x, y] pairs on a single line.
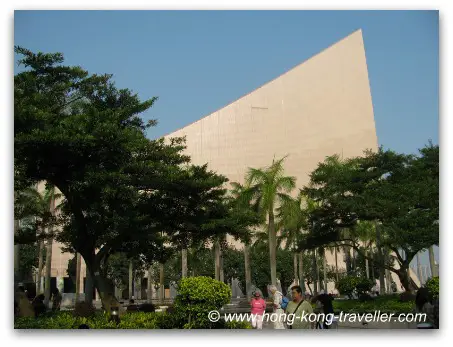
{"points": [[384, 303]]}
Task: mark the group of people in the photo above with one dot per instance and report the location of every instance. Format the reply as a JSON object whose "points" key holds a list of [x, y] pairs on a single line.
{"points": [[299, 306], [24, 308]]}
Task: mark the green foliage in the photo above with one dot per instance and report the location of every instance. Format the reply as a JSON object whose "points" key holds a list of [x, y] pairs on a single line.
{"points": [[363, 285], [399, 192], [197, 296], [347, 285], [238, 325], [433, 286], [384, 303]]}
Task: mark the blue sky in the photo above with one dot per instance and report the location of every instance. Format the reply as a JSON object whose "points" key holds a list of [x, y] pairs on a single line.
{"points": [[198, 61]]}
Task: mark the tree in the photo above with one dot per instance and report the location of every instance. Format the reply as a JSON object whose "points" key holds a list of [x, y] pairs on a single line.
{"points": [[84, 136], [398, 192], [268, 188]]}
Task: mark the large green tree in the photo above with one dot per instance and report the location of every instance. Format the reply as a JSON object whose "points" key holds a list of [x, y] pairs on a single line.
{"points": [[397, 192], [122, 191]]}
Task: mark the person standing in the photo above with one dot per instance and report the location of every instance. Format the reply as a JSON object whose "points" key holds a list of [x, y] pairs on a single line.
{"points": [[278, 311], [258, 307], [299, 307]]}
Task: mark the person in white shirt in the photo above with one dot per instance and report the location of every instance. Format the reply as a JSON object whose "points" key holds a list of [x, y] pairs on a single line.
{"points": [[278, 311]]}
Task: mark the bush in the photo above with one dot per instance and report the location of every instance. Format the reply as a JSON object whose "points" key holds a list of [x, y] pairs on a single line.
{"points": [[197, 296], [361, 285], [237, 325], [433, 286], [346, 285], [384, 303], [84, 309]]}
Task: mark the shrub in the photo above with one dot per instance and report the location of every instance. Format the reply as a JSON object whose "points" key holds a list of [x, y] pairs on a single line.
{"points": [[433, 286], [197, 296], [363, 285], [84, 309], [237, 325], [346, 285]]}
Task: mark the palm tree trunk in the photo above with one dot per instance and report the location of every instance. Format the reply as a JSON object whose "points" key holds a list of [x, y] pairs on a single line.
{"points": [[336, 263], [184, 262], [367, 268], [324, 265], [381, 261], [272, 247], [419, 269], [78, 268], [301, 271], [47, 292], [161, 283], [16, 253], [221, 273], [248, 272], [39, 287], [296, 277], [432, 263], [150, 284], [315, 273], [131, 275], [217, 260]]}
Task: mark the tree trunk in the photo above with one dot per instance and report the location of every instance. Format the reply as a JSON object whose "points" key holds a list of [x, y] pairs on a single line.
{"points": [[89, 286], [217, 260], [47, 293], [367, 268], [131, 279], [347, 254], [315, 274], [221, 272], [272, 247], [150, 284], [49, 254], [301, 271], [380, 261], [77, 282], [161, 283], [39, 288], [324, 264], [184, 262], [248, 272], [296, 277], [336, 264], [419, 270], [16, 254], [432, 263]]}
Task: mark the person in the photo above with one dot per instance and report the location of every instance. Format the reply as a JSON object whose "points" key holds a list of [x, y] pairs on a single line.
{"points": [[423, 304], [38, 305], [324, 305], [277, 304], [56, 300], [258, 307], [299, 307]]}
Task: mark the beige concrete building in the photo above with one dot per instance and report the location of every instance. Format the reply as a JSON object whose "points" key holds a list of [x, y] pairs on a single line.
{"points": [[319, 108]]}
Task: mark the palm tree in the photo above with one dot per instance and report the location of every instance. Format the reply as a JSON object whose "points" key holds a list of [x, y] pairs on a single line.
{"points": [[32, 203], [269, 187], [292, 221], [242, 197]]}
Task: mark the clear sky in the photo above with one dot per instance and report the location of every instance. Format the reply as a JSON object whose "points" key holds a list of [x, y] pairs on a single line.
{"points": [[199, 61]]}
